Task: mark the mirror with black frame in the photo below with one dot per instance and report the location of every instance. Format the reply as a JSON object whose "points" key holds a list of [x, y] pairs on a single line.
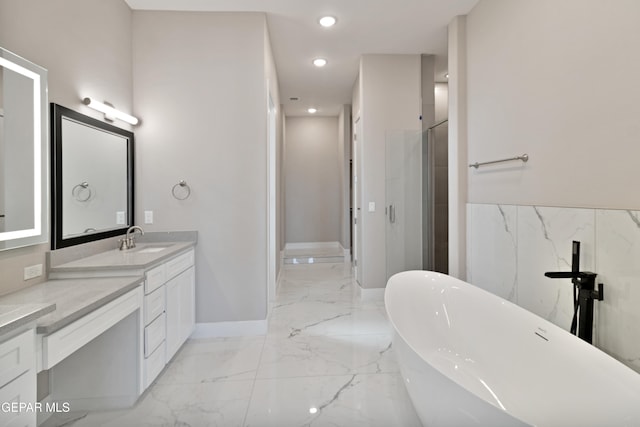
{"points": [[23, 152], [92, 178]]}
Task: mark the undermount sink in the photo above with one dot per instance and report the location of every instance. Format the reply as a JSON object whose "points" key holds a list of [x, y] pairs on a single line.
{"points": [[149, 249]]}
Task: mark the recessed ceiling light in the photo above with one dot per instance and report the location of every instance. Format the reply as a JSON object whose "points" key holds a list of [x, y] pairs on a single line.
{"points": [[446, 76], [319, 62], [327, 21], [312, 110]]}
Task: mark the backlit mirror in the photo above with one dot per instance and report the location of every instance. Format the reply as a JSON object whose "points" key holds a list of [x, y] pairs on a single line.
{"points": [[92, 178], [23, 152]]}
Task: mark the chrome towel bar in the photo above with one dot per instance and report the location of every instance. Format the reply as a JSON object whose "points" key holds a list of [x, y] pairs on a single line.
{"points": [[524, 158]]}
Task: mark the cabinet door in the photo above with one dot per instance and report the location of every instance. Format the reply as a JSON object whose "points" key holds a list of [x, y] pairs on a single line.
{"points": [[17, 356], [172, 305], [180, 310], [21, 390], [187, 304]]}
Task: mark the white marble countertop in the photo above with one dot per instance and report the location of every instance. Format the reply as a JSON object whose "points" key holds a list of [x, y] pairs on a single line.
{"points": [[65, 301], [13, 316], [143, 256]]}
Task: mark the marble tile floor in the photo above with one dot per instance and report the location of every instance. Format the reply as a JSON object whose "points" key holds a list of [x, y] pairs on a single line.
{"points": [[326, 360]]}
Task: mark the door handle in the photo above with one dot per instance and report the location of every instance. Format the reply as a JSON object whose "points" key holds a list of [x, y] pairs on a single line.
{"points": [[392, 214]]}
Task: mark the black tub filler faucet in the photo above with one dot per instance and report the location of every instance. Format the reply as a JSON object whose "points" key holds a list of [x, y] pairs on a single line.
{"points": [[584, 293]]}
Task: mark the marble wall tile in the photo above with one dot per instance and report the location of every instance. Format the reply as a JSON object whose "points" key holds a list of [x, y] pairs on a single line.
{"points": [[545, 236], [618, 315], [610, 247], [492, 249]]}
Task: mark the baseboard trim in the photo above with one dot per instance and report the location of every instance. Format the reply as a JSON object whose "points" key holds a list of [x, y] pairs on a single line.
{"points": [[230, 329], [312, 245], [372, 294]]}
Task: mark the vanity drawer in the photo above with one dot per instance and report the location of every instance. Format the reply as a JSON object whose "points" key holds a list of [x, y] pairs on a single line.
{"points": [[153, 365], [153, 305], [154, 335], [179, 264], [60, 344], [16, 356], [154, 278]]}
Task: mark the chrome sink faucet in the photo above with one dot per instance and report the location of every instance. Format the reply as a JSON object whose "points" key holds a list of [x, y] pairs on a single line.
{"points": [[129, 242]]}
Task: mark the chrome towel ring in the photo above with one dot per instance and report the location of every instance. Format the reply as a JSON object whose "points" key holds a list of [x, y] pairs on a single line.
{"points": [[181, 194], [78, 190]]}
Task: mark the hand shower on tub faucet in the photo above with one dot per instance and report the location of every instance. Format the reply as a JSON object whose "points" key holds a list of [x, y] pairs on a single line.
{"points": [[583, 294], [129, 242]]}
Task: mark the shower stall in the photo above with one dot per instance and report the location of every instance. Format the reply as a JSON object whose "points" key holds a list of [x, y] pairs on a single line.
{"points": [[416, 205]]}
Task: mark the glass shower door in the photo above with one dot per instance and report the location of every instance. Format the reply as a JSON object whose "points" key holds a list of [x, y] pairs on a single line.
{"points": [[403, 179]]}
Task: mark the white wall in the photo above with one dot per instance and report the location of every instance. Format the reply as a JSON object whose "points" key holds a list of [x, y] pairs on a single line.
{"points": [[84, 44], [312, 173], [389, 99], [556, 80], [200, 86], [86, 47]]}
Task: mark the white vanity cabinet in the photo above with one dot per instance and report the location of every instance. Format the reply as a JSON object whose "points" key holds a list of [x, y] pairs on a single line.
{"points": [[18, 380], [169, 308], [167, 298]]}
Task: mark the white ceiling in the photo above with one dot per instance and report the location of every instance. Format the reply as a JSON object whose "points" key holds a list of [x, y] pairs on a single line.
{"points": [[364, 26]]}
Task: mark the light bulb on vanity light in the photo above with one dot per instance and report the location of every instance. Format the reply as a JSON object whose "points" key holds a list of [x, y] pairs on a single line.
{"points": [[110, 113]]}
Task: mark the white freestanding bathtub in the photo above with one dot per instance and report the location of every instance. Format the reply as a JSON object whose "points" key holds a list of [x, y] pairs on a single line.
{"points": [[470, 358]]}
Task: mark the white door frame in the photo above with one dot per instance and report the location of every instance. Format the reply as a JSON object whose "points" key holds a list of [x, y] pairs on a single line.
{"points": [[272, 249], [357, 191]]}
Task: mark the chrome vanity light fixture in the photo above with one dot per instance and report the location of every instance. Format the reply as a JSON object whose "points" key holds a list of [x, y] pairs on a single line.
{"points": [[110, 113]]}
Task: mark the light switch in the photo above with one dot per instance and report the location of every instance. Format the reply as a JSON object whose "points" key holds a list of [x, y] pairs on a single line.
{"points": [[120, 218], [372, 206], [148, 217]]}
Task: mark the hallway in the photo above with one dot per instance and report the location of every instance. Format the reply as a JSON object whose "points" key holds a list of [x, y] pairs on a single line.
{"points": [[326, 361]]}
